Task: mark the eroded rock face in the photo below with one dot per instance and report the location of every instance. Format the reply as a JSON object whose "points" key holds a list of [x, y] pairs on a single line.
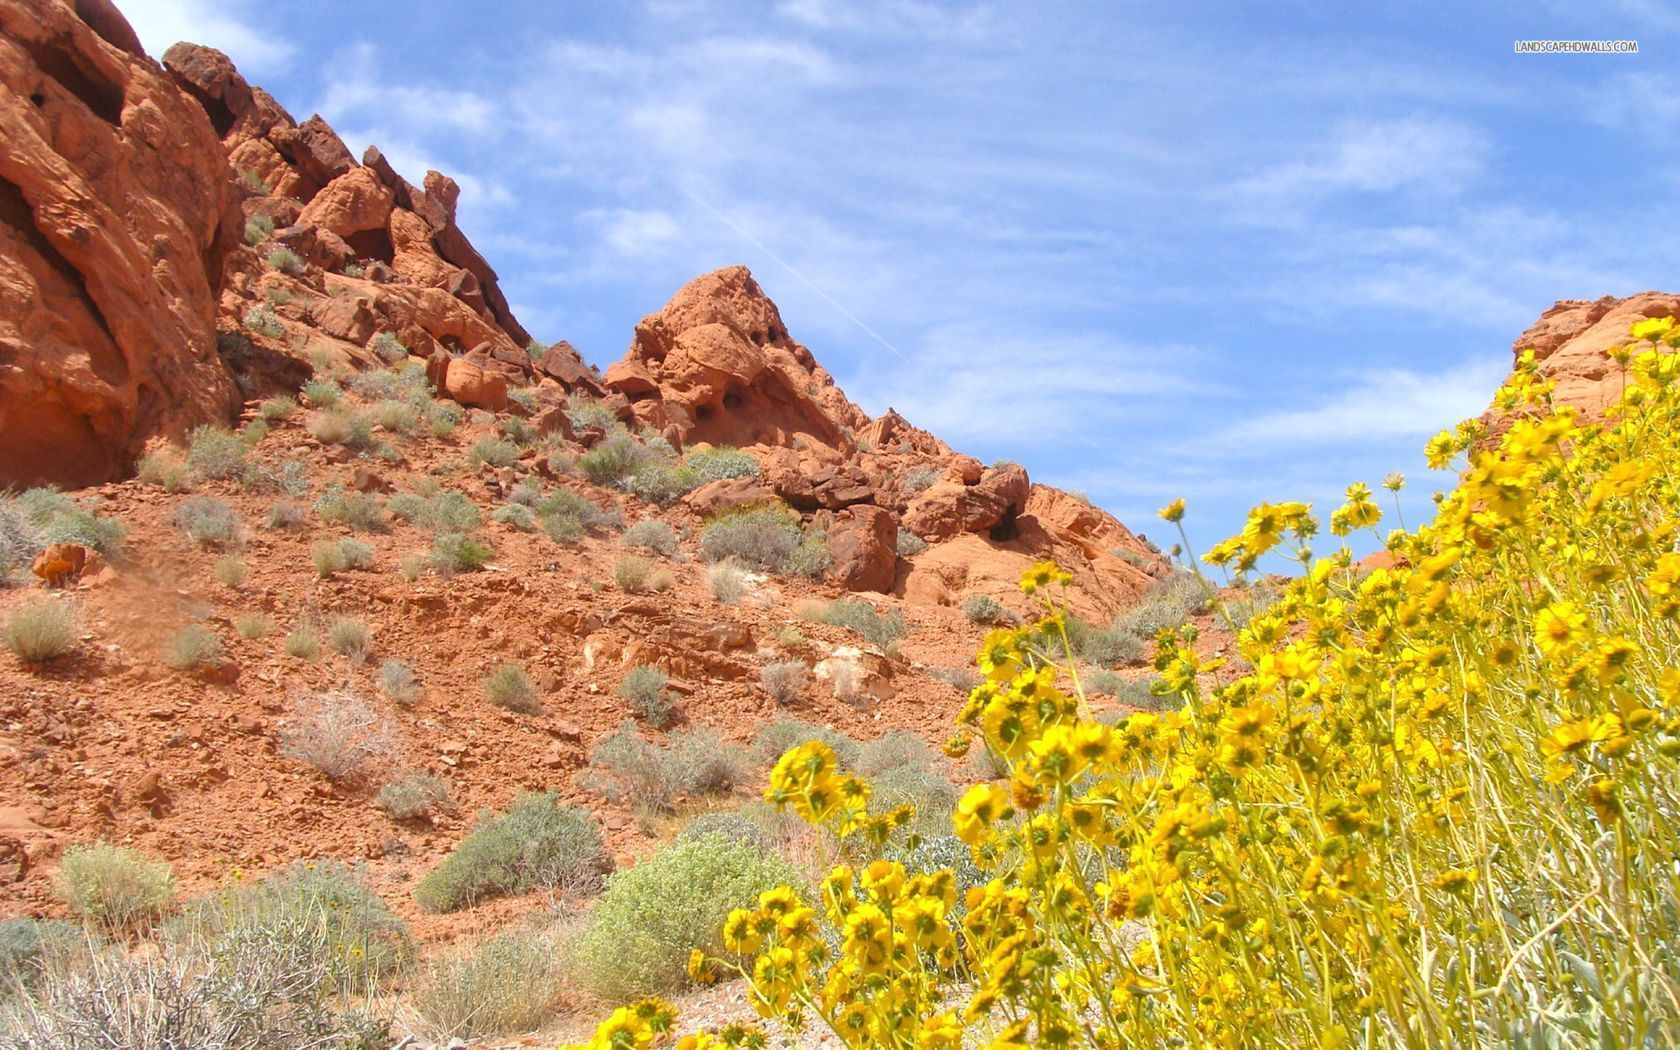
{"points": [[1570, 339], [382, 255], [718, 365], [116, 213]]}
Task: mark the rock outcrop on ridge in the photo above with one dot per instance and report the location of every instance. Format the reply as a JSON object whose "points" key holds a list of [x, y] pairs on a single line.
{"points": [[1570, 339]]}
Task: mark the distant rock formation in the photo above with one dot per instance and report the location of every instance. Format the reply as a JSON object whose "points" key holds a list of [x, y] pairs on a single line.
{"points": [[717, 366], [1570, 339]]}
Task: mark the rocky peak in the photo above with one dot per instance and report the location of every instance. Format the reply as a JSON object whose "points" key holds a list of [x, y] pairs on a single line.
{"points": [[718, 365], [1570, 339]]}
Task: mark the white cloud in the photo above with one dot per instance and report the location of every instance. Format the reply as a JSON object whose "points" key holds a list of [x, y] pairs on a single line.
{"points": [[230, 26], [1381, 157], [1377, 406], [632, 233], [363, 94]]}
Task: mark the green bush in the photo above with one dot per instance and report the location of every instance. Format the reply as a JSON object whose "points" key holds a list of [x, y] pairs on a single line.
{"points": [[1167, 603], [258, 228], [879, 629], [909, 544], [657, 482], [396, 417], [515, 516], [615, 459], [361, 511], [33, 520], [31, 949], [447, 511], [261, 320], [454, 552], [653, 915], [764, 536], [731, 824], [214, 453], [39, 630], [920, 479], [568, 516], [652, 535], [388, 348], [114, 886], [777, 737], [643, 687], [353, 935], [811, 557], [413, 795], [587, 413], [717, 464], [207, 521], [630, 770], [507, 685], [342, 425], [513, 982], [164, 470], [986, 610], [285, 260], [277, 409], [253, 626], [322, 393], [493, 451], [1104, 646], [536, 843], [192, 647]]}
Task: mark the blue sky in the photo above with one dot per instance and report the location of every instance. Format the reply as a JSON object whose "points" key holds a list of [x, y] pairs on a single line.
{"points": [[1227, 251]]}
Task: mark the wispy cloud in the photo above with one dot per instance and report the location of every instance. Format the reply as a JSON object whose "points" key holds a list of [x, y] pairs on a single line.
{"points": [[1415, 152]]}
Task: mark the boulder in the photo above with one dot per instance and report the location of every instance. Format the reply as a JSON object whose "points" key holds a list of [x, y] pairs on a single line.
{"points": [[354, 203], [864, 544], [989, 506], [1570, 339], [470, 385]]}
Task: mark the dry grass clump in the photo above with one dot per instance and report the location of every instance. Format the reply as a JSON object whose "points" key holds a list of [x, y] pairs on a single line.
{"points": [[339, 735], [537, 843], [643, 688], [193, 647], [784, 680], [507, 685], [40, 630], [413, 795], [113, 886]]}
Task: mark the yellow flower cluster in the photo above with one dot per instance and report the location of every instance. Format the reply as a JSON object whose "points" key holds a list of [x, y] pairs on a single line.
{"points": [[1441, 808]]}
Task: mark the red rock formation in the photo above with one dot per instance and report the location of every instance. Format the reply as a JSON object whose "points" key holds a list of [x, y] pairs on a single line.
{"points": [[718, 364], [1570, 339], [116, 212]]}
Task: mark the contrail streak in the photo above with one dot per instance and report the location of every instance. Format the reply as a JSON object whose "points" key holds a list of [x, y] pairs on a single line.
{"points": [[784, 264]]}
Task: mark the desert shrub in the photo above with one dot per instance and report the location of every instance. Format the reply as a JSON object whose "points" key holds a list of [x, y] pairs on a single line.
{"points": [[32, 520], [361, 511], [114, 886], [258, 228], [811, 557], [1168, 603], [643, 688], [537, 843], [443, 417], [388, 348], [909, 544], [524, 398], [277, 409], [717, 464], [342, 425], [328, 559], [660, 483], [350, 637], [229, 570], [322, 393], [322, 909], [512, 982], [1100, 681], [898, 749], [507, 685], [1254, 600], [406, 383], [920, 479], [207, 521], [304, 642], [339, 735], [164, 470], [214, 453], [930, 794], [764, 536], [413, 566], [568, 516], [614, 459], [397, 682], [727, 581], [776, 738], [34, 950], [986, 610], [527, 493], [40, 630], [445, 511], [261, 320], [962, 679], [630, 770], [286, 515], [396, 417], [784, 680], [492, 451], [652, 535], [587, 413], [454, 552], [285, 260], [941, 851], [878, 628], [253, 626], [515, 516], [731, 825], [192, 647], [631, 573], [516, 429], [413, 795], [653, 915]]}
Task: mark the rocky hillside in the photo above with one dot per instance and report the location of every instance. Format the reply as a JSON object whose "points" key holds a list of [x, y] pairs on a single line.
{"points": [[1570, 339], [339, 426]]}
